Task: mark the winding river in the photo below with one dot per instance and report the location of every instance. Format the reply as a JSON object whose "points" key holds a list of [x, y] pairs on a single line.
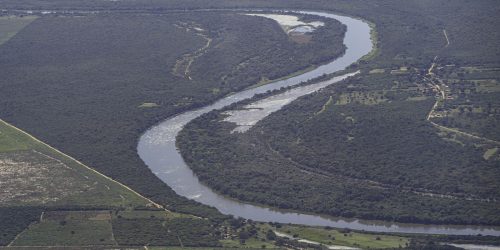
{"points": [[157, 149]]}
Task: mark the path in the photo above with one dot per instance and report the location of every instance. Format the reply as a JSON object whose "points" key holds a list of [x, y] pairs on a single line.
{"points": [[438, 83], [188, 59], [447, 40]]}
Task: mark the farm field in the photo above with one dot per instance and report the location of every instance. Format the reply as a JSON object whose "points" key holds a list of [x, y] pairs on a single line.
{"points": [[36, 178], [67, 204], [71, 232]]}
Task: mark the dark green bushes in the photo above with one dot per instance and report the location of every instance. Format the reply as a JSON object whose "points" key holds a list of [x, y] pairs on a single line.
{"points": [[173, 232], [382, 161], [13, 220]]}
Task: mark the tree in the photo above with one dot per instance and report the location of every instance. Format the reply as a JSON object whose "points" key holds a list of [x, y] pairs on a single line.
{"points": [[270, 235]]}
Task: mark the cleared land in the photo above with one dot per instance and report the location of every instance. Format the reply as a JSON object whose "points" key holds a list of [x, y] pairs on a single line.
{"points": [[469, 100], [44, 193], [37, 179], [345, 237], [68, 232], [10, 25], [33, 174]]}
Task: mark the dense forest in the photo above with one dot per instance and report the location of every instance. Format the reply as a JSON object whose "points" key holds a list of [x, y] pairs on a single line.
{"points": [[347, 160], [14, 220], [90, 85]]}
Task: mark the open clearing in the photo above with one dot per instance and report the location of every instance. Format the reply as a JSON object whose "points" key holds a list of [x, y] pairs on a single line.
{"points": [[62, 232], [10, 25], [348, 238], [33, 174]]}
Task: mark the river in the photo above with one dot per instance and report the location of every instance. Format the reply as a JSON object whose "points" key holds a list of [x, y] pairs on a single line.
{"points": [[157, 149]]}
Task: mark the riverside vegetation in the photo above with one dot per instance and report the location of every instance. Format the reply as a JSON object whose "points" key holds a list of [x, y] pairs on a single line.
{"points": [[367, 142], [35, 215]]}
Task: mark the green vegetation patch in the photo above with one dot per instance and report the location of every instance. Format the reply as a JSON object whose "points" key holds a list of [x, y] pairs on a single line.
{"points": [[490, 85], [365, 98], [149, 105], [417, 98], [13, 220], [345, 237], [490, 153], [154, 232], [377, 71], [249, 243], [472, 102], [10, 25], [72, 232], [58, 179], [11, 140], [149, 214], [97, 215]]}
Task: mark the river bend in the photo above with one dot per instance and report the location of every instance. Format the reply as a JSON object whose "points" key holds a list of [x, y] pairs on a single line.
{"points": [[157, 149]]}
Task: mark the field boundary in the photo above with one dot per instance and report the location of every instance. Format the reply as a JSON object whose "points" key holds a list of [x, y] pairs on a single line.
{"points": [[85, 166]]}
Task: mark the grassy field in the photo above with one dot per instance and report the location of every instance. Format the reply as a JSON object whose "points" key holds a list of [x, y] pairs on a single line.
{"points": [[148, 105], [99, 227], [67, 233], [249, 243], [23, 157], [57, 181], [363, 98], [352, 239], [10, 25], [13, 140]]}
